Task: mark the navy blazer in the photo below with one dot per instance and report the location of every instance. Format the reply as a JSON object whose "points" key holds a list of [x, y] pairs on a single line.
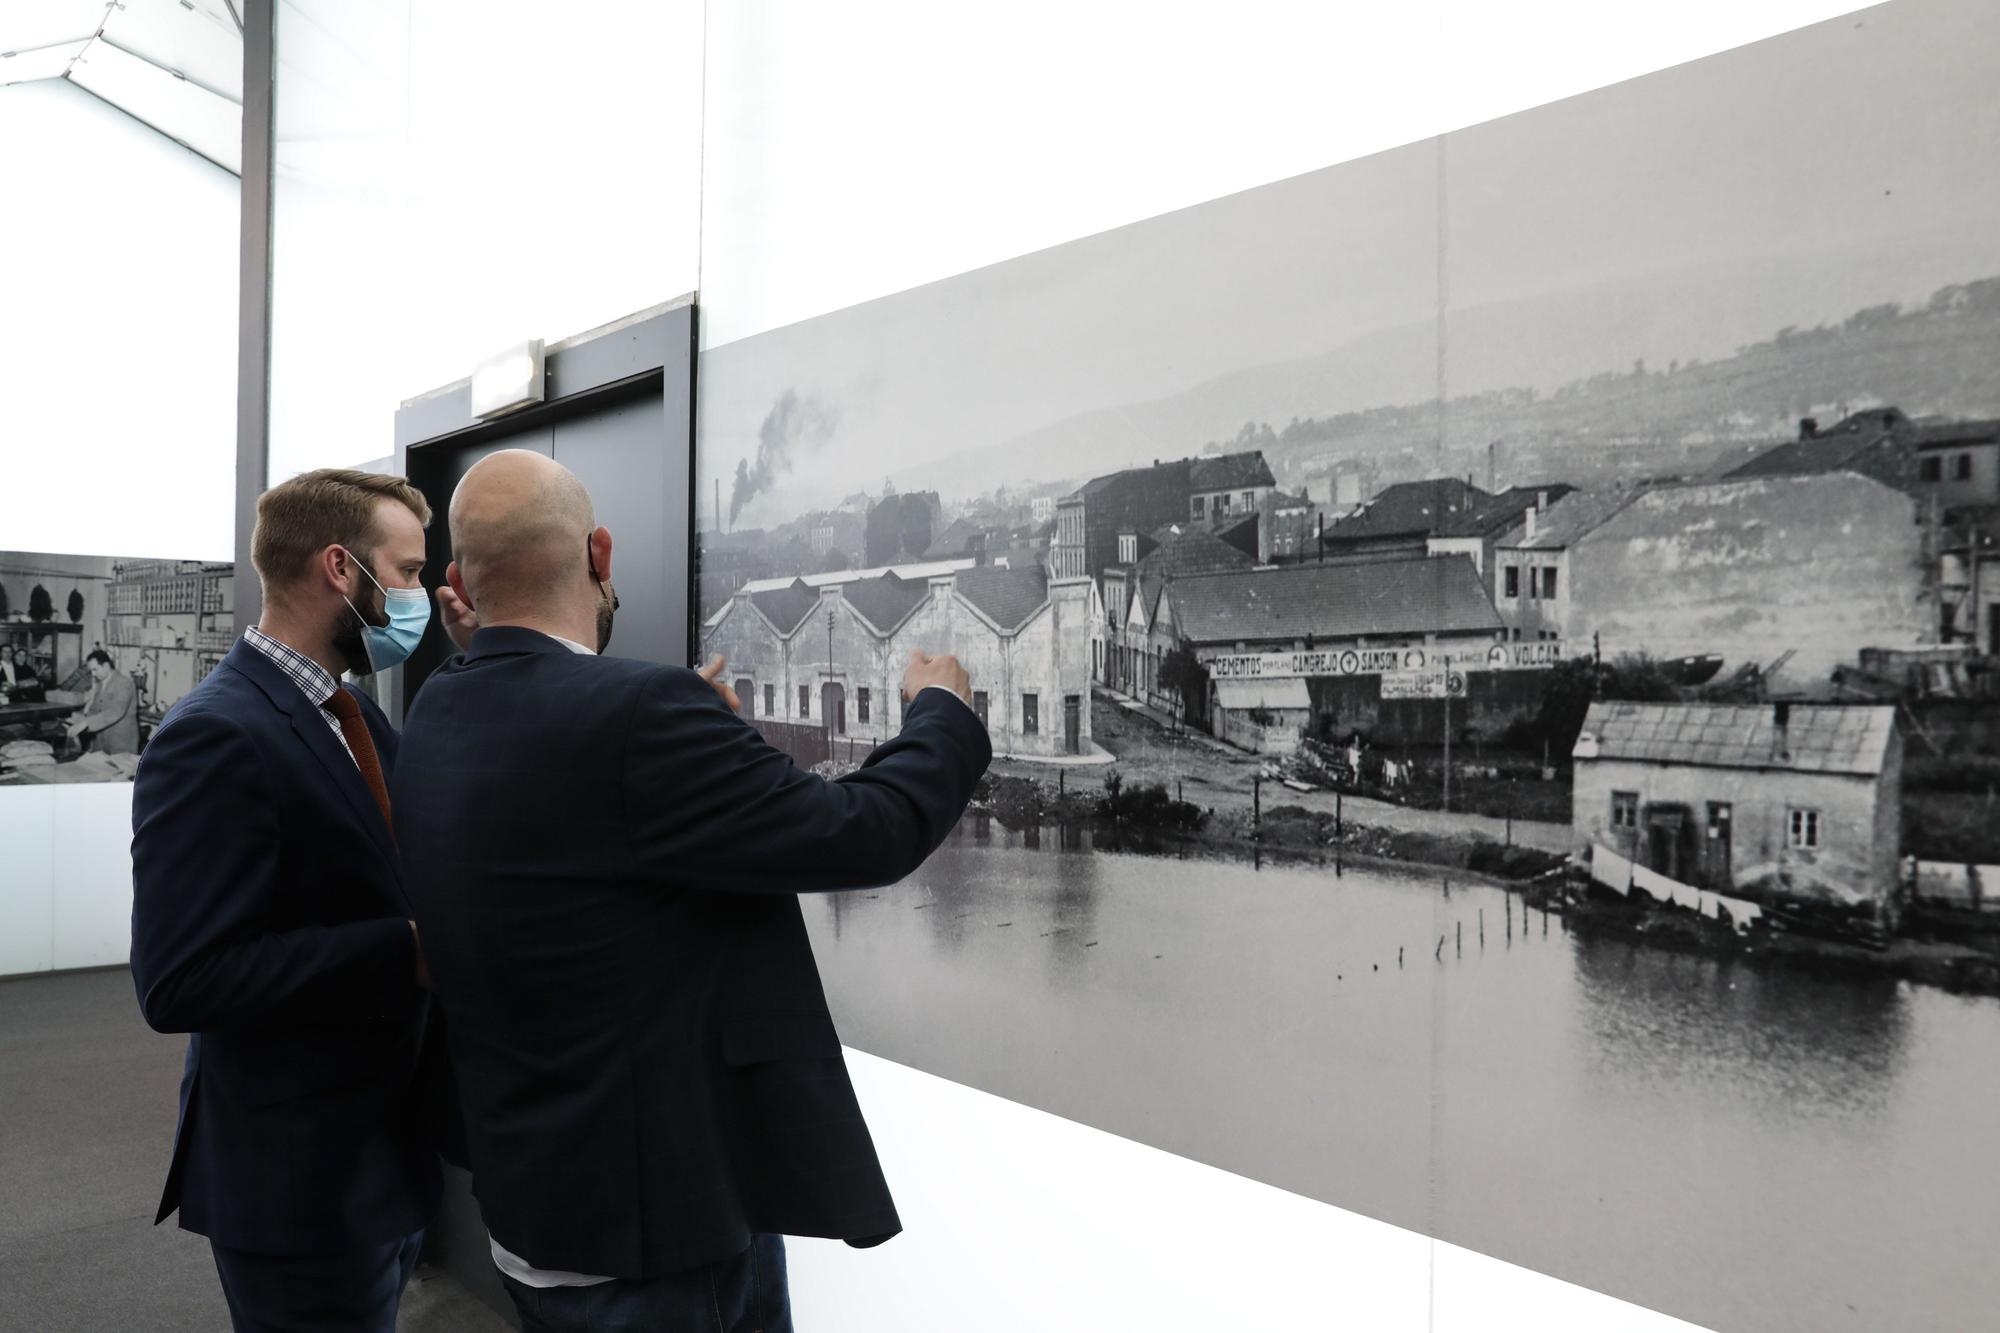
{"points": [[604, 861], [269, 921]]}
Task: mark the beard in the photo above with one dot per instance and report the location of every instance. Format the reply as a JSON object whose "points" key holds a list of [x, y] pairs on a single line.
{"points": [[347, 641], [607, 610]]}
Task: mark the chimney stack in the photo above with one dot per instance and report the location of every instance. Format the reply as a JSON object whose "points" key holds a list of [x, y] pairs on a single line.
{"points": [[1808, 428], [1533, 514], [1781, 737]]}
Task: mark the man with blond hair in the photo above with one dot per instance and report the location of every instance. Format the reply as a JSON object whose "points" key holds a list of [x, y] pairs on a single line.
{"points": [[605, 859], [269, 922]]}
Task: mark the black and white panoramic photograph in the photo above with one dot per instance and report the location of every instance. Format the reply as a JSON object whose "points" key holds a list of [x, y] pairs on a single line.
{"points": [[1492, 655], [93, 652]]}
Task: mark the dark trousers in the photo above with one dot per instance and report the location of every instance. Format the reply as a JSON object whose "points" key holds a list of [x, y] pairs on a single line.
{"points": [[353, 1292], [747, 1294]]}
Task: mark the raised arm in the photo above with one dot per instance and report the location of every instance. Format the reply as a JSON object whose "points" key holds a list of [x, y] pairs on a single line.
{"points": [[713, 805], [205, 954]]}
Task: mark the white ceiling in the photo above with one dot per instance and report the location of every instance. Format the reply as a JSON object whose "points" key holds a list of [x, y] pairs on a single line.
{"points": [[174, 65]]}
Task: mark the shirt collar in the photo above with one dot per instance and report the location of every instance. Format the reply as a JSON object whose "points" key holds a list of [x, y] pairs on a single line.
{"points": [[314, 681], [573, 645]]}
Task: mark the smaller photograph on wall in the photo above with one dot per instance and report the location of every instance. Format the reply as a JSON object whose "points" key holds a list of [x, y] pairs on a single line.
{"points": [[94, 649]]}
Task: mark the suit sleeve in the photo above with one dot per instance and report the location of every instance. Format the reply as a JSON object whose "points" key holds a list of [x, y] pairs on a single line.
{"points": [[205, 957], [712, 802]]}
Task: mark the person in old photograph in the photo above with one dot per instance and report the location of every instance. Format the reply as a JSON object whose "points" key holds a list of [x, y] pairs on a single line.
{"points": [[18, 680], [604, 861], [110, 716], [269, 922]]}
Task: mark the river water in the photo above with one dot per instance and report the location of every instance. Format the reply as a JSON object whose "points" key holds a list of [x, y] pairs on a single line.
{"points": [[1746, 1150]]}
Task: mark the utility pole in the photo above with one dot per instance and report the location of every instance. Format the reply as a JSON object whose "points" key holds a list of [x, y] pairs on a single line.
{"points": [[1447, 740], [829, 676]]}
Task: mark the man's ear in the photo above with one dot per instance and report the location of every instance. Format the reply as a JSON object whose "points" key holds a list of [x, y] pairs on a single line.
{"points": [[457, 582], [600, 553], [333, 563]]}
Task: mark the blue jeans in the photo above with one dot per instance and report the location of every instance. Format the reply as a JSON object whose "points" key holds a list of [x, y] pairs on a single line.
{"points": [[746, 1294], [354, 1292]]}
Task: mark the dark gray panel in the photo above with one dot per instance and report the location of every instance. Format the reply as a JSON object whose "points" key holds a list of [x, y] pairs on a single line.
{"points": [[436, 472], [623, 457]]}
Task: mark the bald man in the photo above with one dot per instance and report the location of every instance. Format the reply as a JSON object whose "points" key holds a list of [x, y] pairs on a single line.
{"points": [[604, 862]]}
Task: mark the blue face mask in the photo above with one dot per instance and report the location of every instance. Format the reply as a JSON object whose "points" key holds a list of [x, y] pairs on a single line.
{"points": [[409, 611]]}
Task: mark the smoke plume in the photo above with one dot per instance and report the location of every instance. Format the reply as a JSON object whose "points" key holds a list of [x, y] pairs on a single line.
{"points": [[794, 425]]}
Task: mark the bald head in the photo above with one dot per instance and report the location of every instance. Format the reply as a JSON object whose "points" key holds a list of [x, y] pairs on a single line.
{"points": [[519, 522]]}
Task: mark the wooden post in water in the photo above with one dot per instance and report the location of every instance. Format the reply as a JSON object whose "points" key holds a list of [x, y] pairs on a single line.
{"points": [[1257, 802], [1482, 926], [1458, 928]]}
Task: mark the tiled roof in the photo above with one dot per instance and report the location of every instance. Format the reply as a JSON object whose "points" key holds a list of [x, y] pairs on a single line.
{"points": [[786, 607], [1185, 551], [953, 540], [1817, 738], [1821, 453], [1487, 518], [1572, 517], [1942, 434], [1409, 507], [1007, 596], [1427, 595], [1109, 481], [1230, 472], [885, 602]]}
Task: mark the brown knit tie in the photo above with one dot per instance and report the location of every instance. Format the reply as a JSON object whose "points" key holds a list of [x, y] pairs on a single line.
{"points": [[347, 709]]}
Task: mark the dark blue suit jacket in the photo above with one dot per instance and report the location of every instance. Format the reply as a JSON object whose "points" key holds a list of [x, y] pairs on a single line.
{"points": [[269, 920], [604, 862]]}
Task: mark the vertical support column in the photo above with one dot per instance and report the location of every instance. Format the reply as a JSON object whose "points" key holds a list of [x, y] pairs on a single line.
{"points": [[253, 301]]}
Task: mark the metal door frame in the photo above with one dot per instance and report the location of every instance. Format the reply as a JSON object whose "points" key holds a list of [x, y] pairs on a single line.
{"points": [[626, 359]]}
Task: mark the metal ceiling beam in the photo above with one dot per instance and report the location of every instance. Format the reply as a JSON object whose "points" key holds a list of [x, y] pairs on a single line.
{"points": [[169, 69], [141, 120]]}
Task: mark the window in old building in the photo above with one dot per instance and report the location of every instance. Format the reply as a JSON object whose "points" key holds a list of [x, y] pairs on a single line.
{"points": [[1249, 500], [1804, 828], [1510, 578], [1931, 469], [770, 700], [979, 707], [1549, 583], [861, 704], [1128, 548], [1200, 506], [1625, 809], [1221, 505], [805, 701], [1961, 468], [1031, 715]]}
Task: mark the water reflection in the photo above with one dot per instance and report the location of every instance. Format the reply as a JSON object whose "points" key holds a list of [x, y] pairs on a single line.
{"points": [[1699, 1136]]}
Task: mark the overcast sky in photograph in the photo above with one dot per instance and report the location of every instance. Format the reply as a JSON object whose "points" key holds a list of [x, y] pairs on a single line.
{"points": [[1782, 183]]}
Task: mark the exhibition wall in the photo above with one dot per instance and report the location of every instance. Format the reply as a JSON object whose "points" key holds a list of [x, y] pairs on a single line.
{"points": [[117, 354], [1647, 283]]}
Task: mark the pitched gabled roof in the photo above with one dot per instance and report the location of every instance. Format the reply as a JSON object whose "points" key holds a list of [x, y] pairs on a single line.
{"points": [[954, 540], [1497, 514], [1821, 453], [886, 601], [1116, 480], [1568, 519], [786, 607], [1816, 738], [1008, 597], [1186, 550], [1427, 595], [1409, 508], [1230, 472], [1945, 434]]}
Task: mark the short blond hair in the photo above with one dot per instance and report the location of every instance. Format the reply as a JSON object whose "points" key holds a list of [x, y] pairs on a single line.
{"points": [[330, 506]]}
